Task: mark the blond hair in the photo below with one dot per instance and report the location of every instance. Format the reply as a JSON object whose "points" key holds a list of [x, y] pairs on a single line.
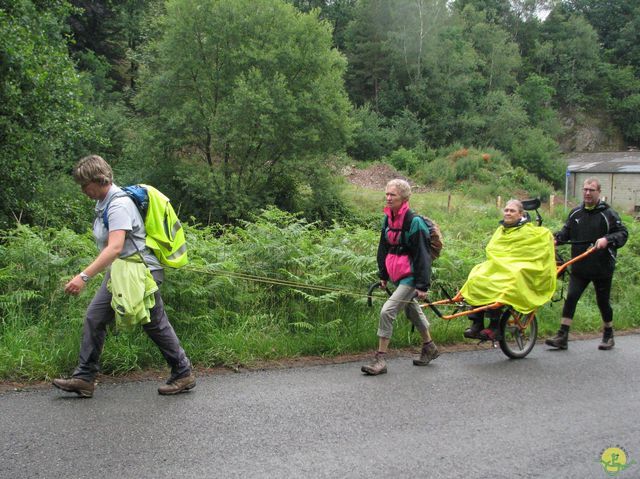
{"points": [[93, 169], [403, 187]]}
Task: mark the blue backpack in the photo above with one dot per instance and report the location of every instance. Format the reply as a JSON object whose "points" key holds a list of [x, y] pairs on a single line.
{"points": [[140, 198]]}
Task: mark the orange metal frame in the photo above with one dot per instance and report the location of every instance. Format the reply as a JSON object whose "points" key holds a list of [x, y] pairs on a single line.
{"points": [[458, 299]]}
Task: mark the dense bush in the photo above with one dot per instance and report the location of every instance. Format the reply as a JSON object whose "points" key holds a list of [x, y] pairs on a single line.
{"points": [[404, 160], [249, 114], [43, 121], [483, 174], [371, 139], [539, 155], [279, 286]]}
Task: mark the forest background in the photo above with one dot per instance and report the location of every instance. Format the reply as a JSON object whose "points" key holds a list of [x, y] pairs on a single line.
{"points": [[245, 113]]}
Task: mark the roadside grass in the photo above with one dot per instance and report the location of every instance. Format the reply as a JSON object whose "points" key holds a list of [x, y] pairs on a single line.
{"points": [[273, 288]]}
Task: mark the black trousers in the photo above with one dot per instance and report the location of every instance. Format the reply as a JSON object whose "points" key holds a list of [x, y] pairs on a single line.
{"points": [[578, 284], [494, 315]]}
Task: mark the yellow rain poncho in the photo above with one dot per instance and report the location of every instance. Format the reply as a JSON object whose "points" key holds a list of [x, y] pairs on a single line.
{"points": [[520, 270]]}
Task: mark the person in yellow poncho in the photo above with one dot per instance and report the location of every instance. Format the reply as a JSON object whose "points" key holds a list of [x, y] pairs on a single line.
{"points": [[520, 271]]}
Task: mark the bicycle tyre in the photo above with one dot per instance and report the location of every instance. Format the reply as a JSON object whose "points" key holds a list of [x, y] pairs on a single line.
{"points": [[518, 341]]}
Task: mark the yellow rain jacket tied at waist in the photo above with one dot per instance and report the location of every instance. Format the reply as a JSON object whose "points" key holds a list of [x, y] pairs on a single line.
{"points": [[520, 270], [132, 288]]}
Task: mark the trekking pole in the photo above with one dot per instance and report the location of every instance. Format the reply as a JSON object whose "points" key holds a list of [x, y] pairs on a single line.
{"points": [[370, 292]]}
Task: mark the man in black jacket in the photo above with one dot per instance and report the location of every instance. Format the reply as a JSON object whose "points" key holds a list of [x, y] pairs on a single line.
{"points": [[594, 221]]}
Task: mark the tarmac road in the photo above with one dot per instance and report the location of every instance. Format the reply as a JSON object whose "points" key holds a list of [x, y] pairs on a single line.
{"points": [[467, 415]]}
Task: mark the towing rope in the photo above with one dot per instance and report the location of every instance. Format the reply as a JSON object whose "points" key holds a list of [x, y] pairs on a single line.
{"points": [[278, 282]]}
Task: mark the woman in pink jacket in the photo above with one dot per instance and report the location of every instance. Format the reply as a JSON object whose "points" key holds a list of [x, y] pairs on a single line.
{"points": [[407, 263]]}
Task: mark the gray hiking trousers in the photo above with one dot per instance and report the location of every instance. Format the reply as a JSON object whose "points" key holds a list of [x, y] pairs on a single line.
{"points": [[100, 314], [401, 299]]}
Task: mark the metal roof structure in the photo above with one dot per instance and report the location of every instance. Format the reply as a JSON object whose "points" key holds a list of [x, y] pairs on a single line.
{"points": [[604, 162]]}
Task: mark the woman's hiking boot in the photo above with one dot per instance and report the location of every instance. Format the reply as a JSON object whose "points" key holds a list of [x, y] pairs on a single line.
{"points": [[377, 366], [178, 385], [429, 353], [606, 344], [76, 385], [560, 340]]}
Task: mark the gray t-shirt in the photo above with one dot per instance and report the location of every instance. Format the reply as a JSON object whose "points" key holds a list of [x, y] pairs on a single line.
{"points": [[123, 215]]}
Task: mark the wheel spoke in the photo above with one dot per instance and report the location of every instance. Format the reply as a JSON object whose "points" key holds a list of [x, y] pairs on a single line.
{"points": [[518, 338]]}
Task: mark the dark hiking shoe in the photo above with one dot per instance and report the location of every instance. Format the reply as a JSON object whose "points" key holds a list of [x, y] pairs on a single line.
{"points": [[473, 332], [606, 344], [175, 386], [377, 366], [75, 385], [428, 354], [560, 340]]}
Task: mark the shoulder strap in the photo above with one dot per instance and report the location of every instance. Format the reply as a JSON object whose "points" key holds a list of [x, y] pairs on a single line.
{"points": [[406, 224], [105, 220], [408, 218], [606, 221], [105, 215]]}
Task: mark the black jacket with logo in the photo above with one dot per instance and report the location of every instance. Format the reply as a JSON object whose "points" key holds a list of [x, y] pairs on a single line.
{"points": [[587, 226]]}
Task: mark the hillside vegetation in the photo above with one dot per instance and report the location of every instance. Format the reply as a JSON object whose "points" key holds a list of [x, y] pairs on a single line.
{"points": [[246, 112], [274, 287], [231, 106]]}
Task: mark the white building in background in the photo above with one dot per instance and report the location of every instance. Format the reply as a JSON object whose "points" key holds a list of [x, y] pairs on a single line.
{"points": [[618, 172]]}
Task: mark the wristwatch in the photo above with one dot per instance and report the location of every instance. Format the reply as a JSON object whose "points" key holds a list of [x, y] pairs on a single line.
{"points": [[85, 277]]}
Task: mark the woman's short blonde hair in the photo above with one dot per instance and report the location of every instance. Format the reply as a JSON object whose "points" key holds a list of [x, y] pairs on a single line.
{"points": [[403, 187], [93, 169]]}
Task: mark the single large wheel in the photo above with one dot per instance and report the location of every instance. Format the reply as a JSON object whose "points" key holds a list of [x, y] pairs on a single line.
{"points": [[519, 333]]}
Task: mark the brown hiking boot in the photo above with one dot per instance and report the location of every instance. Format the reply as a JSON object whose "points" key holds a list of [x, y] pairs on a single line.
{"points": [[377, 366], [428, 354], [606, 344], [75, 385], [560, 340], [175, 386]]}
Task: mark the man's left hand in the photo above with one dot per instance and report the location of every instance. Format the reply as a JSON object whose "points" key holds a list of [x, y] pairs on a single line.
{"points": [[602, 243]]}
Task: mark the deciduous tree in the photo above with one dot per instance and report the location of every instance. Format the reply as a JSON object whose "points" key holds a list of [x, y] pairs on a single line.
{"points": [[251, 88], [43, 122]]}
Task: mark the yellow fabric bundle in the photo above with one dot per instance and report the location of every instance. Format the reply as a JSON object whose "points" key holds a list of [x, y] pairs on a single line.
{"points": [[520, 270], [165, 235], [132, 288]]}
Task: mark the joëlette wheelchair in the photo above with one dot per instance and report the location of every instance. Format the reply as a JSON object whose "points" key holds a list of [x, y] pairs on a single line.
{"points": [[518, 332]]}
